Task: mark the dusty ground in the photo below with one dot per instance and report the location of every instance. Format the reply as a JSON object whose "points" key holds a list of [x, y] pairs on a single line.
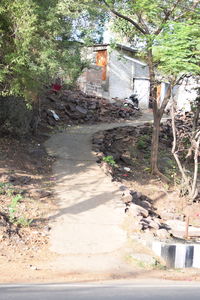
{"points": [[24, 250], [26, 201]]}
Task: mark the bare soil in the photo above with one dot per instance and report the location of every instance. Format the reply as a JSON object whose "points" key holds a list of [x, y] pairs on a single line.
{"points": [[26, 201]]}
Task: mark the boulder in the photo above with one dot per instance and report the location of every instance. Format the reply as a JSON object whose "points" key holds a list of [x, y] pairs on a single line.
{"points": [[162, 234], [127, 198], [81, 110], [136, 210], [153, 224], [145, 204]]}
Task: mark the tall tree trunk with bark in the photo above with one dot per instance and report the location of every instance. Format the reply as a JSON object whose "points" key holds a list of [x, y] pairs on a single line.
{"points": [[158, 110], [156, 118]]}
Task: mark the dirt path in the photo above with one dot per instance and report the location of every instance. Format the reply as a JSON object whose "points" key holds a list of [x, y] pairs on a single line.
{"points": [[87, 229]]}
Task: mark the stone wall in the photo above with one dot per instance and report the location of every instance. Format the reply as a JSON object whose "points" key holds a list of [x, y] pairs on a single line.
{"points": [[90, 81]]}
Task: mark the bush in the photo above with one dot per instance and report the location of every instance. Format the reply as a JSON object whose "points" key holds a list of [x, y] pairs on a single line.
{"points": [[143, 142], [15, 117]]}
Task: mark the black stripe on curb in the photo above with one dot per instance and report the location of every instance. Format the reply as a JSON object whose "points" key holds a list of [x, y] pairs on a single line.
{"points": [[189, 256], [168, 253], [178, 255]]}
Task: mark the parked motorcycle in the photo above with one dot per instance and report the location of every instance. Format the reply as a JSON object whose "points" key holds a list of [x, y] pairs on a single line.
{"points": [[132, 102]]}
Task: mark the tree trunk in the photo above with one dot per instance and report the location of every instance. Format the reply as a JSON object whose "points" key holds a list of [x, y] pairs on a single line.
{"points": [[155, 144], [36, 113], [156, 119], [157, 115]]}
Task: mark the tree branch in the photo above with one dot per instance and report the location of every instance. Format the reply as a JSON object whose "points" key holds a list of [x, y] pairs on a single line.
{"points": [[116, 13], [143, 23], [194, 190], [174, 152], [167, 16], [193, 7]]}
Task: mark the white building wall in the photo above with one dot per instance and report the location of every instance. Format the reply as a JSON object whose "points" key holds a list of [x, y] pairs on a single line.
{"points": [[185, 93], [127, 76], [120, 76], [142, 89]]}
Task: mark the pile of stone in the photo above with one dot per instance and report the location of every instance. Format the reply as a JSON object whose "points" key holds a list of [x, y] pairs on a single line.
{"points": [[75, 107], [116, 143], [139, 207]]}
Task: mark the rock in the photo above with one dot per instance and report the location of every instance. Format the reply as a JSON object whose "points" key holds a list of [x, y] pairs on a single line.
{"points": [[60, 106], [71, 107], [126, 160], [12, 178], [134, 196], [127, 169], [137, 226], [33, 267], [153, 224], [93, 106], [25, 179], [144, 224], [145, 204], [34, 193], [123, 188], [44, 194], [127, 198], [144, 258], [81, 110], [136, 210], [52, 98], [139, 195], [162, 234], [4, 178], [51, 121]]}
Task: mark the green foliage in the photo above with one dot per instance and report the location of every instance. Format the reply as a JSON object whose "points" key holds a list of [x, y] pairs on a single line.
{"points": [[178, 48], [8, 189], [13, 207], [150, 17], [13, 211], [36, 46], [22, 221], [143, 142], [5, 188], [109, 160]]}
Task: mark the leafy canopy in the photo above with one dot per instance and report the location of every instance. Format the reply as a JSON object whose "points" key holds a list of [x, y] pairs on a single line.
{"points": [[178, 49], [38, 43]]}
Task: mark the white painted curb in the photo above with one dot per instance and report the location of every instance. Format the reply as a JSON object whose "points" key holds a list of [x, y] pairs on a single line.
{"points": [[178, 255]]}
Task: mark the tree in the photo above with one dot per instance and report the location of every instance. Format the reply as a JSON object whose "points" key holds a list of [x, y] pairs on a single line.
{"points": [[147, 19], [38, 43], [178, 54]]}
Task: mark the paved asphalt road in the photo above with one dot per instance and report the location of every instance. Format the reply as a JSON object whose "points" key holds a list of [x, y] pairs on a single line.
{"points": [[172, 291]]}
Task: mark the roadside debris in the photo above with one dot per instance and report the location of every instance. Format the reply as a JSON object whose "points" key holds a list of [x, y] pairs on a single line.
{"points": [[74, 107], [55, 116]]}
